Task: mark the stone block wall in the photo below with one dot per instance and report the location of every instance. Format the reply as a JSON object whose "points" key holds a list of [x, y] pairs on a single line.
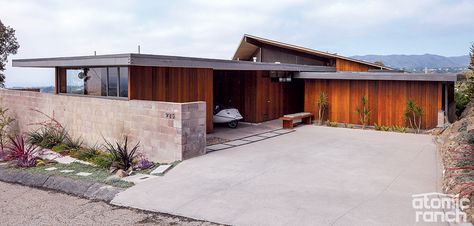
{"points": [[166, 131]]}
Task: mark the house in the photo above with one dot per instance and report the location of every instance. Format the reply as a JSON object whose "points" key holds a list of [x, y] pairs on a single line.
{"points": [[264, 80]]}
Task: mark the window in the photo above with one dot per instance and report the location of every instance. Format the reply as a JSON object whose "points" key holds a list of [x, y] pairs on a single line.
{"points": [[123, 82], [74, 82], [100, 81], [113, 80]]}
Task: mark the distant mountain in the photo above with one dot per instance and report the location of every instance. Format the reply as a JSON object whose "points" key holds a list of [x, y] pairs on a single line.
{"points": [[418, 61]]}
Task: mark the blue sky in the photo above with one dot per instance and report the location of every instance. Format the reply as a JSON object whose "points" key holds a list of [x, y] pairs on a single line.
{"points": [[213, 28]]}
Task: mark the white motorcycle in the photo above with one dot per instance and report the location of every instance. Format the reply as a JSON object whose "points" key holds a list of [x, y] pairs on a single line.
{"points": [[231, 116]]}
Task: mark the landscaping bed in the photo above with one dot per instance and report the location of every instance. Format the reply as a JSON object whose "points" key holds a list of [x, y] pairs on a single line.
{"points": [[50, 152], [456, 145]]}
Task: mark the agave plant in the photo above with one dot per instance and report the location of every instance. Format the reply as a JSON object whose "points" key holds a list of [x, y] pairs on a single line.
{"points": [[21, 153], [122, 155]]}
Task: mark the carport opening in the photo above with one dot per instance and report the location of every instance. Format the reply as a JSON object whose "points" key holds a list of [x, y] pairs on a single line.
{"points": [[259, 96]]}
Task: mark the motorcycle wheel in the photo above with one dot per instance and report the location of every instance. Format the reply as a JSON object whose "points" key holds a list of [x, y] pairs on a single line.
{"points": [[233, 124]]}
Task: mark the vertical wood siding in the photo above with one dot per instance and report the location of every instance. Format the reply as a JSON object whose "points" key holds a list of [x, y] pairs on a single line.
{"points": [[174, 85], [387, 100], [256, 96], [345, 65]]}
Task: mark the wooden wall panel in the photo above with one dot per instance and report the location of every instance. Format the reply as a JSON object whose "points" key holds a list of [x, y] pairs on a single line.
{"points": [[387, 100], [256, 96], [345, 65], [173, 85]]}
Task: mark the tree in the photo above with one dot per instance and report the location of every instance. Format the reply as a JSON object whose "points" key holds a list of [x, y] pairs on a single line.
{"points": [[380, 63], [8, 45], [322, 105], [413, 114], [363, 111], [465, 89]]}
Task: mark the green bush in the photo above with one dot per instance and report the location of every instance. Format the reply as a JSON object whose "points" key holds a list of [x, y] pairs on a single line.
{"points": [[86, 154], [72, 143], [60, 148], [102, 160], [47, 137]]}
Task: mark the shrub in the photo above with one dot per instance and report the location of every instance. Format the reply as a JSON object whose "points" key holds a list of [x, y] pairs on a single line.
{"points": [[72, 143], [322, 105], [22, 153], [143, 163], [399, 129], [86, 154], [122, 154], [377, 127], [413, 114], [60, 148], [103, 160], [5, 122], [363, 111], [47, 137], [332, 124]]}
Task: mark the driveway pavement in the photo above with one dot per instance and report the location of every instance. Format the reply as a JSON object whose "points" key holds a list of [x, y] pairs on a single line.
{"points": [[313, 176]]}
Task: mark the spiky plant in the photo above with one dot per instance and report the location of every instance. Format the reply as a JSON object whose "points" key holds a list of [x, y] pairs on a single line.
{"points": [[21, 153], [323, 103], [122, 155], [363, 111], [413, 114]]}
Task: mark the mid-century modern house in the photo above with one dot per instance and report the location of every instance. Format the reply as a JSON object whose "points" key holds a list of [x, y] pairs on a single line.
{"points": [[264, 80]]}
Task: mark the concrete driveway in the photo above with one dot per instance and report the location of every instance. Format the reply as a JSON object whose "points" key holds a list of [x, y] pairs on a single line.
{"points": [[314, 176]]}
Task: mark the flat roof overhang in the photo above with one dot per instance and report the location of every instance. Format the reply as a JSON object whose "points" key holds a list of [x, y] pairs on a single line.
{"points": [[380, 76], [132, 59]]}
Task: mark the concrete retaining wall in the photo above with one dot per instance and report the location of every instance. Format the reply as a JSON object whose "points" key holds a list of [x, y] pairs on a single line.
{"points": [[167, 131]]}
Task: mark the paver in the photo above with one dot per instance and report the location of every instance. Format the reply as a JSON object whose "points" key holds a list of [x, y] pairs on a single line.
{"points": [[84, 174], [269, 134], [237, 142], [66, 171], [138, 178], [51, 169], [161, 169], [253, 138], [217, 147]]}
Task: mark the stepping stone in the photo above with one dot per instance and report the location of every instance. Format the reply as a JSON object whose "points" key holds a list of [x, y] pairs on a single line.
{"points": [[138, 178], [65, 160], [217, 147], [282, 131], [160, 169], [84, 174], [253, 138], [270, 134], [66, 171], [237, 142], [51, 169]]}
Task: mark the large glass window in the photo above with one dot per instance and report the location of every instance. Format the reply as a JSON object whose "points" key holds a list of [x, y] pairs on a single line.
{"points": [[123, 82], [103, 81], [74, 82], [113, 81]]}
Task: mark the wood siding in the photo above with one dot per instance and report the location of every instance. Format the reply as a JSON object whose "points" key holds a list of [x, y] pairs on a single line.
{"points": [[173, 85], [387, 100], [256, 96], [345, 65]]}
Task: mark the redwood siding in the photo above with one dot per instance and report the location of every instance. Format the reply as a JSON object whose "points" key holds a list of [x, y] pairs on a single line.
{"points": [[173, 85], [387, 100]]}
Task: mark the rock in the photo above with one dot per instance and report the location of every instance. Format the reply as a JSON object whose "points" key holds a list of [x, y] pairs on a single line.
{"points": [[120, 173], [113, 178], [40, 162]]}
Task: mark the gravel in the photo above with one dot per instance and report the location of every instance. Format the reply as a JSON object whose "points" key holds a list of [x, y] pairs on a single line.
{"points": [[21, 205]]}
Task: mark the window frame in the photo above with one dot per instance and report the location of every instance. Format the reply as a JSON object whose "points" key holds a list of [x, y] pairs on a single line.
{"points": [[118, 82]]}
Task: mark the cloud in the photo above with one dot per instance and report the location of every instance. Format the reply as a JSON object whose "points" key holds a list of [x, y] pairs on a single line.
{"points": [[213, 28]]}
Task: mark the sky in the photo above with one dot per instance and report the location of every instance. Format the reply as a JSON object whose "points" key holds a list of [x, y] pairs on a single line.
{"points": [[214, 28]]}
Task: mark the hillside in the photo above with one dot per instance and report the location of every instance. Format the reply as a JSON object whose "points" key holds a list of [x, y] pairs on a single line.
{"points": [[418, 61]]}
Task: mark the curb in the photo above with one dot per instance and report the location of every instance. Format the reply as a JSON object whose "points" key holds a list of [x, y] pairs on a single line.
{"points": [[89, 190]]}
